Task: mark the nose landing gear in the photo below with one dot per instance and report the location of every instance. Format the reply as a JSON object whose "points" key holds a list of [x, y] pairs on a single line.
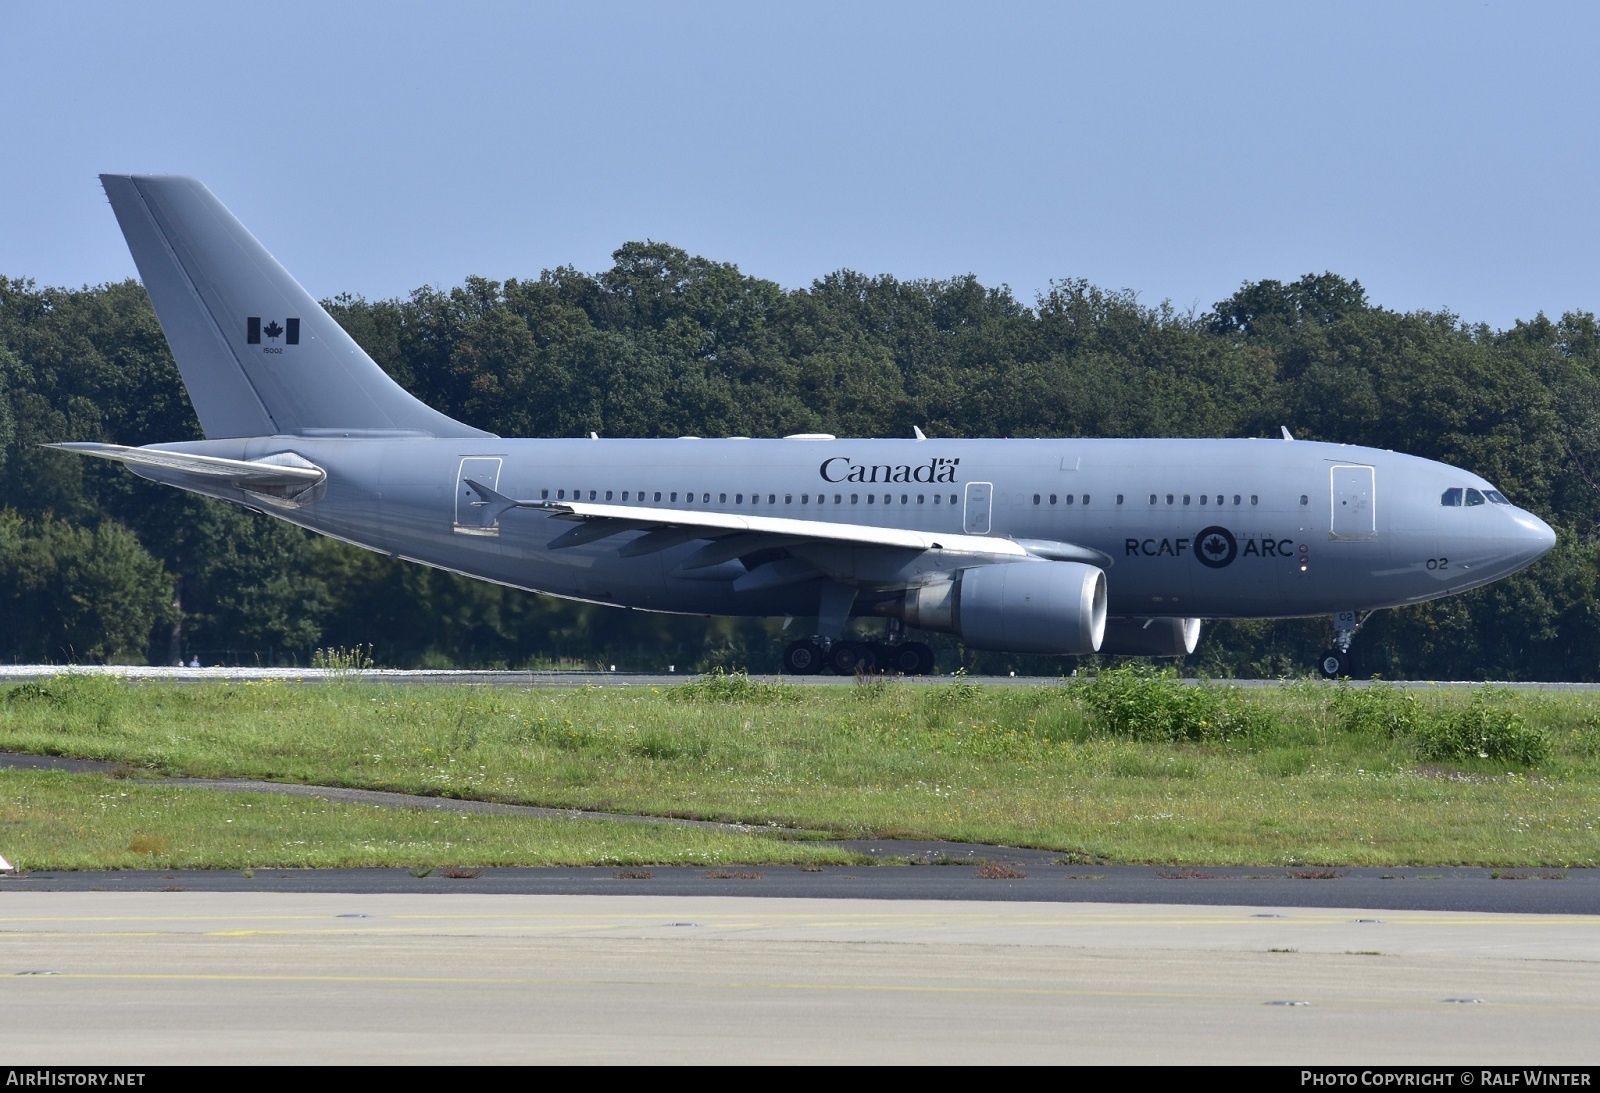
{"points": [[1336, 662]]}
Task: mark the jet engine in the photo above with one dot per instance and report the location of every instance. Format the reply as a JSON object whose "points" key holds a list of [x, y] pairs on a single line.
{"points": [[1150, 637], [1013, 607]]}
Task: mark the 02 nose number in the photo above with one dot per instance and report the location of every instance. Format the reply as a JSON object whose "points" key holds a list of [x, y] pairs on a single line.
{"points": [[1438, 563]]}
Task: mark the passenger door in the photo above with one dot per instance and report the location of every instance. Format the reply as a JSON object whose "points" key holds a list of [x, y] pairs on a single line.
{"points": [[484, 469], [980, 503], [1355, 514]]}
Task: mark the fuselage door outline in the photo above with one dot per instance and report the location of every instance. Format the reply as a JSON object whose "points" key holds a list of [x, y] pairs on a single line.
{"points": [[1353, 497], [979, 508], [479, 468]]}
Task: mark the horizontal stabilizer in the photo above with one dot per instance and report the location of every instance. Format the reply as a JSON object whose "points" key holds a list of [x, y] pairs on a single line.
{"points": [[284, 470]]}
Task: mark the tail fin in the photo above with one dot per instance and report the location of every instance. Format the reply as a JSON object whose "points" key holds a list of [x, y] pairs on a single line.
{"points": [[258, 355]]}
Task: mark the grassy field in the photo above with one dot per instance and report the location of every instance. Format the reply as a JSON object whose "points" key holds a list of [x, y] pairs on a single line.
{"points": [[1125, 768], [50, 820]]}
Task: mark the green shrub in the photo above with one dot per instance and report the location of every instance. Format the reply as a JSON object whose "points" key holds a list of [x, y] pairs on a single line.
{"points": [[1486, 728], [1142, 704], [1381, 709], [720, 686]]}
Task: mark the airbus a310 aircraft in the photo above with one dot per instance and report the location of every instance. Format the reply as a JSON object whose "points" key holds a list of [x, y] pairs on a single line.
{"points": [[1061, 546]]}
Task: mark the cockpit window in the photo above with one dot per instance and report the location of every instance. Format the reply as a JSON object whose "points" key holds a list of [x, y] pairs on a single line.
{"points": [[1451, 497], [1496, 496], [1474, 497]]}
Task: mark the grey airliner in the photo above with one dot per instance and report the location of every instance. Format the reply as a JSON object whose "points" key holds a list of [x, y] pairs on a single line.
{"points": [[1065, 546]]}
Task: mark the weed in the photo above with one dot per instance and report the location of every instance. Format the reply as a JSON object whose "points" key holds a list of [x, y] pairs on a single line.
{"points": [[720, 686], [1315, 874], [341, 660], [457, 872], [34, 691], [420, 871], [732, 874], [1140, 703], [1486, 728], [870, 688], [1381, 709], [999, 870], [633, 874]]}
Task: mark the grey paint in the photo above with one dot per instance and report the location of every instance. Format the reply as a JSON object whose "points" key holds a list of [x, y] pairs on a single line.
{"points": [[1191, 528]]}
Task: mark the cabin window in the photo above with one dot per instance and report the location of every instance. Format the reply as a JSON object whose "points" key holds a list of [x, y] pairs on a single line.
{"points": [[905, 499], [937, 498], [1035, 499], [952, 498], [772, 499], [658, 495], [1304, 500], [1119, 498], [855, 498], [1220, 499], [838, 499], [872, 499], [788, 499], [738, 499], [1052, 498], [624, 495], [1072, 499], [561, 495], [1235, 499], [805, 499], [544, 495], [919, 498], [1085, 499], [608, 495], [1185, 499], [1474, 498], [722, 499], [1152, 498], [674, 495], [1253, 498], [1205, 499]]}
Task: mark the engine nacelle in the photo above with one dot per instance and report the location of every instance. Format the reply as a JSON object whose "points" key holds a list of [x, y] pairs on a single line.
{"points": [[1150, 637], [1014, 607]]}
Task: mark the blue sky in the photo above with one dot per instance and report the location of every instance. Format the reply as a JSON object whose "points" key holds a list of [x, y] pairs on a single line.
{"points": [[1444, 154]]}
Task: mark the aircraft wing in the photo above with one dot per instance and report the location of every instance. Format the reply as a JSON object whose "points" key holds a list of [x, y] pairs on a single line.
{"points": [[282, 471], [749, 534]]}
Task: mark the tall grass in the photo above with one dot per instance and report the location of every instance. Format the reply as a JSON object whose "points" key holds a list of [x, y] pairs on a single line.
{"points": [[1122, 767]]}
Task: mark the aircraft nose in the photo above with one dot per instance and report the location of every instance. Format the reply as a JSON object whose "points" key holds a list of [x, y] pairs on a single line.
{"points": [[1534, 538]]}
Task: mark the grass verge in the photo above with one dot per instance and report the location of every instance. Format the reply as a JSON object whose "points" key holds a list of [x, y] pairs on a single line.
{"points": [[1131, 767], [51, 820]]}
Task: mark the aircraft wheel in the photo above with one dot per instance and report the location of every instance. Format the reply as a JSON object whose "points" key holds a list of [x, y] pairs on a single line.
{"points": [[924, 657], [1334, 664], [802, 658], [845, 656], [905, 659]]}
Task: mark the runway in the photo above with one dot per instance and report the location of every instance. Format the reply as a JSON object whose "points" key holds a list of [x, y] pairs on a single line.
{"points": [[20, 673], [191, 977]]}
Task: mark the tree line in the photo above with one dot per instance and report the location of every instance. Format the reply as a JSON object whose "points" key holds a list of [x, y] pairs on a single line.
{"points": [[98, 565]]}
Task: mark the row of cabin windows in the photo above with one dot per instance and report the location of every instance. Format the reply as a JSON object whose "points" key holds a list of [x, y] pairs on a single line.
{"points": [[755, 498], [1451, 497]]}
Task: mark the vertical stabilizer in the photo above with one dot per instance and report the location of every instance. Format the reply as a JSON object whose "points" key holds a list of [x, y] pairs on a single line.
{"points": [[258, 355]]}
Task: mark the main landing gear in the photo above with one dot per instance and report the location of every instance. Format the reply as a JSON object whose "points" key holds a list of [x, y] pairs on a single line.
{"points": [[893, 656], [1335, 663], [808, 656]]}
